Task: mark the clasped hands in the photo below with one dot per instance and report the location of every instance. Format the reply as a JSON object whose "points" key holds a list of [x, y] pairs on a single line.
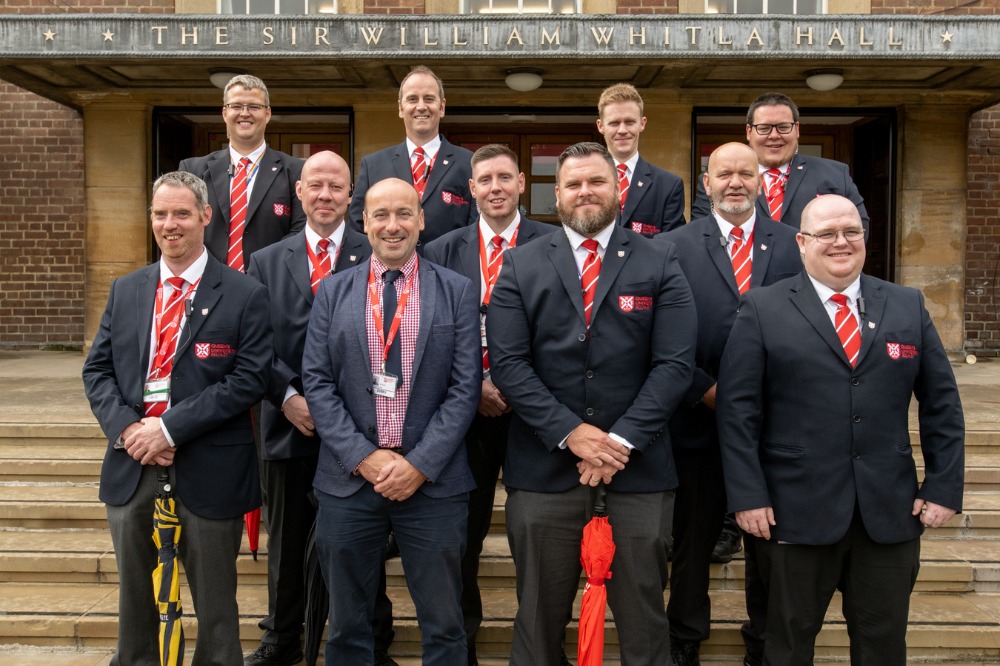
{"points": [[144, 441], [600, 456], [392, 475]]}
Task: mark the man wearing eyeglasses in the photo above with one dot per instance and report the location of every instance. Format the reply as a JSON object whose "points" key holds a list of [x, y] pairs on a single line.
{"points": [[251, 187], [789, 180], [812, 405]]}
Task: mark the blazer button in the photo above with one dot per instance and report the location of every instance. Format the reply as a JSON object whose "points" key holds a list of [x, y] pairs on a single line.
{"points": [[856, 455], [857, 419], [369, 389], [590, 374], [589, 411], [855, 381], [371, 430], [582, 337]]}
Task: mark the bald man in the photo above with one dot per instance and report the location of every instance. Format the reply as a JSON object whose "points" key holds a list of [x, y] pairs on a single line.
{"points": [[291, 270]]}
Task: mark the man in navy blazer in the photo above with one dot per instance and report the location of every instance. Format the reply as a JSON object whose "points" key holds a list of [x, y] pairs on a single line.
{"points": [[273, 211], [653, 198], [772, 130], [392, 373], [291, 270], [202, 437], [445, 199], [708, 250], [593, 373], [476, 253], [813, 400]]}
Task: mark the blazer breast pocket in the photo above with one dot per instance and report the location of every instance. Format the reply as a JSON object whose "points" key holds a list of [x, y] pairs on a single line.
{"points": [[902, 345], [635, 299]]}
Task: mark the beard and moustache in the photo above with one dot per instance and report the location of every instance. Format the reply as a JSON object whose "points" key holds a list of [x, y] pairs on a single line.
{"points": [[722, 204], [587, 223]]}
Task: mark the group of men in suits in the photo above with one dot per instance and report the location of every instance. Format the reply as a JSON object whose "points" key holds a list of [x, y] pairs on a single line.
{"points": [[389, 390]]}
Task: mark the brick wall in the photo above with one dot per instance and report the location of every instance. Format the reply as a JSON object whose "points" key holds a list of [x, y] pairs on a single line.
{"points": [[647, 6], [946, 7], [87, 7], [395, 7], [41, 222], [982, 249]]}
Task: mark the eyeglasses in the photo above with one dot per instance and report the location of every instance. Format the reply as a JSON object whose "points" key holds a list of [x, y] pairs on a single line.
{"points": [[238, 108], [765, 128], [829, 237]]}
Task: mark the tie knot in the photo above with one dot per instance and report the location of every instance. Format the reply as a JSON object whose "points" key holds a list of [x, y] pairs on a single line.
{"points": [[244, 162], [390, 276], [622, 169], [418, 152], [774, 173], [323, 245], [737, 233], [498, 242], [840, 300], [177, 283], [590, 245]]}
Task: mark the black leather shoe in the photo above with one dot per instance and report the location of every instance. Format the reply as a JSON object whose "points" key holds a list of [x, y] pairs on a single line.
{"points": [[382, 658], [684, 653], [268, 654], [728, 545], [748, 661]]}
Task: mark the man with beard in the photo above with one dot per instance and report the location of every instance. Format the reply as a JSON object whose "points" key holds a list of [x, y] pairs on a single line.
{"points": [[722, 255], [592, 333]]}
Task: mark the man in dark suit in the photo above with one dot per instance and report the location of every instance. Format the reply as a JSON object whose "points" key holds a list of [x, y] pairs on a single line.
{"points": [[291, 270], [477, 253], [722, 256], [183, 351], [651, 199], [439, 170], [789, 180], [813, 401], [251, 187], [592, 336], [392, 373]]}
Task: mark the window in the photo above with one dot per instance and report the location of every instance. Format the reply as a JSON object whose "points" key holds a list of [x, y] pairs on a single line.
{"points": [[521, 6], [277, 6], [765, 7]]}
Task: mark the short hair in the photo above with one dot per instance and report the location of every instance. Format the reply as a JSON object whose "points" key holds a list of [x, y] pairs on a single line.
{"points": [[620, 92], [772, 99], [421, 69], [184, 179], [491, 150], [584, 149], [247, 82]]}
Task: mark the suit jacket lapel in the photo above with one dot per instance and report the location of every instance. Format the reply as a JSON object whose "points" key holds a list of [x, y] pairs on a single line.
{"points": [[468, 253], [218, 169], [145, 301], [359, 311], [614, 259], [763, 241], [442, 162], [401, 163], [637, 188], [352, 252], [205, 299], [796, 173], [807, 301], [874, 309], [561, 256], [719, 254], [299, 268], [267, 171], [428, 301]]}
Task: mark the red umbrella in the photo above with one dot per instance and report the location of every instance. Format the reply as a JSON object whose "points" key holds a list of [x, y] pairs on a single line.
{"points": [[597, 549], [252, 521]]}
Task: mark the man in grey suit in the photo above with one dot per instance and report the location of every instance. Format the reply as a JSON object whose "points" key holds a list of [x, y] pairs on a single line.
{"points": [[392, 374], [438, 169], [292, 270], [813, 411]]}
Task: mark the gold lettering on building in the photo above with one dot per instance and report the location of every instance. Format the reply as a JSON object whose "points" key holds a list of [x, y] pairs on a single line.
{"points": [[862, 41], [835, 37], [666, 35], [268, 33], [892, 41], [185, 35], [371, 35], [454, 40], [515, 35], [693, 31], [633, 35], [550, 39], [755, 37], [402, 35], [486, 35], [158, 29], [321, 34], [427, 38], [294, 36], [602, 35], [723, 41], [807, 35], [221, 36]]}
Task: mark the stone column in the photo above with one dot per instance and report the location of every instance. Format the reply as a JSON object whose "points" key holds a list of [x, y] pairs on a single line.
{"points": [[117, 162], [666, 142], [932, 227]]}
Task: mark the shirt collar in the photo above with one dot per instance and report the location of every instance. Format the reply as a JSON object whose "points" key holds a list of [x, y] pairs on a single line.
{"points": [[254, 154], [824, 292], [193, 272], [603, 237], [337, 237], [630, 164], [379, 268], [431, 148], [727, 227], [487, 232], [784, 168]]}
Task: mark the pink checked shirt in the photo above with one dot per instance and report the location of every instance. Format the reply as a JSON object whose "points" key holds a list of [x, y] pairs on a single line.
{"points": [[391, 412]]}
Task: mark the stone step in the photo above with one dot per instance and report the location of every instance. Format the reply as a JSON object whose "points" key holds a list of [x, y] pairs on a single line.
{"points": [[84, 616]]}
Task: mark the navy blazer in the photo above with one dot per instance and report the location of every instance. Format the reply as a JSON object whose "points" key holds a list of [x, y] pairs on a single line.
{"points": [[655, 201], [220, 371], [459, 249], [709, 270], [273, 212], [626, 375], [808, 178], [284, 269], [445, 383], [447, 201], [805, 433]]}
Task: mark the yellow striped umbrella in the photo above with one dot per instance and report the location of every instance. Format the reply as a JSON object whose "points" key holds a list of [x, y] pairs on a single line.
{"points": [[166, 577]]}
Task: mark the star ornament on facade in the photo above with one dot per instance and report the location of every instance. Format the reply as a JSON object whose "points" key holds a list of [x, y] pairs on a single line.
{"points": [[946, 37], [108, 35], [49, 35]]}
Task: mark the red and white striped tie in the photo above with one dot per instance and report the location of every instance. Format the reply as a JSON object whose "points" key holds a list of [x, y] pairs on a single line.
{"points": [[419, 171], [622, 185], [847, 329], [742, 263], [238, 214], [588, 279], [493, 264], [168, 330], [774, 192], [322, 266]]}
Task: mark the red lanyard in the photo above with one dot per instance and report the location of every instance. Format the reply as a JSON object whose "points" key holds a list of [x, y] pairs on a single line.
{"points": [[374, 296], [482, 264], [315, 262], [162, 360]]}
